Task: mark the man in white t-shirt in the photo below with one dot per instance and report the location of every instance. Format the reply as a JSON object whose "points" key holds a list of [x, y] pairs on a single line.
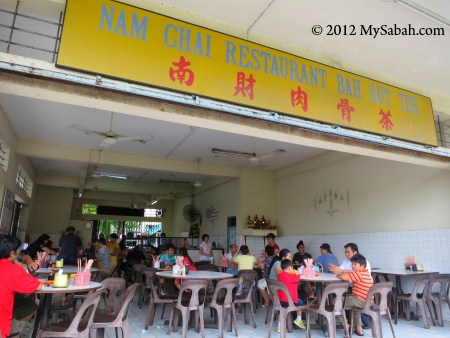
{"points": [[351, 249]]}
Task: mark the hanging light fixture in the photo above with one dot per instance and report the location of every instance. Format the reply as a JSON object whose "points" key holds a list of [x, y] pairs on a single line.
{"points": [[197, 183]]}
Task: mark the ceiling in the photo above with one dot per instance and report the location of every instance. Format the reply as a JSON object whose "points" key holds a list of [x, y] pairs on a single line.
{"points": [[419, 62]]}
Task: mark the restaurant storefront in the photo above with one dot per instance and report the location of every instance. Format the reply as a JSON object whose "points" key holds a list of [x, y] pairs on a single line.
{"points": [[381, 180]]}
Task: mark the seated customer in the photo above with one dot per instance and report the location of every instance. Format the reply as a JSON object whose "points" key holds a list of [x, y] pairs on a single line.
{"points": [[299, 256], [326, 258], [41, 244], [351, 249], [134, 256], [13, 279], [103, 254], [264, 262], [232, 265], [245, 260], [362, 281], [290, 278], [169, 258]]}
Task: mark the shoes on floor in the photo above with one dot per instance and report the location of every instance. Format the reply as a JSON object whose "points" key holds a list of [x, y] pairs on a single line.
{"points": [[299, 323], [278, 329], [366, 327], [358, 334]]}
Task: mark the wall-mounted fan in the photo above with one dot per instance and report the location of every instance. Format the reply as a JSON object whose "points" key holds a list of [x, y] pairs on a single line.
{"points": [[109, 137], [191, 213], [252, 157]]}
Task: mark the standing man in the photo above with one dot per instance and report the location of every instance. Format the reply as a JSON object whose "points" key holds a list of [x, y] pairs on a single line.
{"points": [[351, 249], [326, 258], [271, 241], [69, 247]]}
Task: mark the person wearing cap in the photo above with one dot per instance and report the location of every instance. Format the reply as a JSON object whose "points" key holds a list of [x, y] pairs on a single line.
{"points": [[300, 255], [271, 241], [326, 258]]}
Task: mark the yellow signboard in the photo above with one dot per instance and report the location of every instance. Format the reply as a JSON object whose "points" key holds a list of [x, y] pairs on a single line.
{"points": [[114, 39]]}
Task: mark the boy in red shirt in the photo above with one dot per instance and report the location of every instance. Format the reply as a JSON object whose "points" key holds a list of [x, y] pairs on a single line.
{"points": [[290, 278], [13, 278], [362, 282]]}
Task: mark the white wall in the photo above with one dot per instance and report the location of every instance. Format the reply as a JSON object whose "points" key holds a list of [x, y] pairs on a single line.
{"points": [[224, 198], [382, 196]]}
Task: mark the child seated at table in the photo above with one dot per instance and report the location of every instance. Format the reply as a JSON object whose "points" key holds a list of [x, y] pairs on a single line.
{"points": [[169, 258], [362, 282], [290, 278]]}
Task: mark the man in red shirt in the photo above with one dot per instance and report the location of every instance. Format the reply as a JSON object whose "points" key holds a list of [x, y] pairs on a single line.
{"points": [[290, 278], [13, 278]]}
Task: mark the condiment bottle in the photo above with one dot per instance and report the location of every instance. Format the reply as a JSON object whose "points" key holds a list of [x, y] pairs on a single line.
{"points": [[51, 275]]}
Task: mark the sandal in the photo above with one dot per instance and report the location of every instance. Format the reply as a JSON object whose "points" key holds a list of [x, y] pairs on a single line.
{"points": [[357, 333]]}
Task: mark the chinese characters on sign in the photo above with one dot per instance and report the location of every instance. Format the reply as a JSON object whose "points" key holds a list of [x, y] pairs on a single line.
{"points": [[182, 73], [244, 85], [385, 121], [132, 44], [299, 97], [346, 110]]}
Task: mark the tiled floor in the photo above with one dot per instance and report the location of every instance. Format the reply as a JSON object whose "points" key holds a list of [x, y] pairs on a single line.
{"points": [[403, 329]]}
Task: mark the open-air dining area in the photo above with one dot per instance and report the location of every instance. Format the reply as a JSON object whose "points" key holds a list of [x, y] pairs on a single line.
{"points": [[204, 301], [137, 317]]}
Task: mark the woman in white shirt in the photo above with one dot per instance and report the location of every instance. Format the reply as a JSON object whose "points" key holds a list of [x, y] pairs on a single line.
{"points": [[205, 250]]}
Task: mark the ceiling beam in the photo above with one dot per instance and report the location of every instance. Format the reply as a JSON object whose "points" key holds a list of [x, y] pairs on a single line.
{"points": [[70, 153]]}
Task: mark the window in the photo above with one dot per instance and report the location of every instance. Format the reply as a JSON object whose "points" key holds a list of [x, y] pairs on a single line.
{"points": [[89, 209], [4, 154], [156, 213], [142, 228], [24, 181]]}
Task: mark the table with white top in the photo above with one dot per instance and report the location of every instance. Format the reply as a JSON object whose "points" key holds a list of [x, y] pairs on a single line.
{"points": [[195, 275], [398, 274], [66, 269], [322, 279], [47, 291], [208, 275]]}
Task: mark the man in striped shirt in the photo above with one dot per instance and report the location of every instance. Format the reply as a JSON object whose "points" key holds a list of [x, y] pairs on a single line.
{"points": [[362, 281]]}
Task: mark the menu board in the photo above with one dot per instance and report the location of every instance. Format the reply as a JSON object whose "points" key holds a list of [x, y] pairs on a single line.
{"points": [[7, 211]]}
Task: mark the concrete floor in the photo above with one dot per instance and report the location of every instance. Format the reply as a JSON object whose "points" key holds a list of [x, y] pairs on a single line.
{"points": [[137, 318]]}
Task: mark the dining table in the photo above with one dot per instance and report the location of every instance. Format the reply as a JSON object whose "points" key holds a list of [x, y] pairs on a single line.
{"points": [[46, 292], [321, 279], [69, 269], [398, 274], [195, 275], [208, 275]]}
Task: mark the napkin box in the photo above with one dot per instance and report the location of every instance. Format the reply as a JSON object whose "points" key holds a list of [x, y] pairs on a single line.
{"points": [[61, 281]]}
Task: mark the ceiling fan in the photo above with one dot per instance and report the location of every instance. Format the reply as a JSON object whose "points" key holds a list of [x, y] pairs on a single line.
{"points": [[109, 137], [252, 157], [197, 183], [171, 195]]}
